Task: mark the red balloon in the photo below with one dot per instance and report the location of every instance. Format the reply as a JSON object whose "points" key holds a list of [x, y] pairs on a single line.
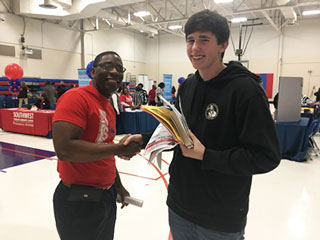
{"points": [[13, 71]]}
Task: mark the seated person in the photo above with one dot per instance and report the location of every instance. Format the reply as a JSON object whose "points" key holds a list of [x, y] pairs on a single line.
{"points": [[43, 102]]}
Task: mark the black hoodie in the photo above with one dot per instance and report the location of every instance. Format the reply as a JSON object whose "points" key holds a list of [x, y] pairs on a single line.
{"points": [[230, 116]]}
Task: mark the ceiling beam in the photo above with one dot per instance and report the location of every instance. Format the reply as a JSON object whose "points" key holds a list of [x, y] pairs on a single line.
{"points": [[273, 24], [6, 5], [175, 7], [275, 7], [158, 12]]}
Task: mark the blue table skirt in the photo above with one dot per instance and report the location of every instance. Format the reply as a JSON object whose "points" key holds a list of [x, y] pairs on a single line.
{"points": [[293, 139], [135, 122]]}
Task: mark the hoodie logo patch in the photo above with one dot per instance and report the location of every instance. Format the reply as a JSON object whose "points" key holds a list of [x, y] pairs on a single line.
{"points": [[212, 111]]}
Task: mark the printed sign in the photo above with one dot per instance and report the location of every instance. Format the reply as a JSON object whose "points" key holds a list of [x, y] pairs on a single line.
{"points": [[24, 119], [83, 77], [167, 92]]}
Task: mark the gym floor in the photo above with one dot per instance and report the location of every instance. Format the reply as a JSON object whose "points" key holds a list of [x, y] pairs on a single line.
{"points": [[284, 204]]}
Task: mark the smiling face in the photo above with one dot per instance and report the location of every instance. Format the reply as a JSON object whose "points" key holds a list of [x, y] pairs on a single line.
{"points": [[108, 74], [204, 52], [125, 91]]}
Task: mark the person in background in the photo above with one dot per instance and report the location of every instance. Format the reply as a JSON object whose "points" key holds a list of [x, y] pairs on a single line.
{"points": [[83, 132], [173, 95], [126, 100], [23, 94], [43, 102], [140, 96], [50, 92], [311, 96], [190, 75], [159, 91], [317, 94], [233, 134], [143, 94], [136, 97], [152, 95], [115, 102], [61, 89]]}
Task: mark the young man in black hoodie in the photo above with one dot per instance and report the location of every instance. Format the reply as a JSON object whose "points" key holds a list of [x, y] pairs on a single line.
{"points": [[233, 133]]}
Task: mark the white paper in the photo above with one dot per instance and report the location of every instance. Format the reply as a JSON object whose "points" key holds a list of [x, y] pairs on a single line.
{"points": [[160, 140]]}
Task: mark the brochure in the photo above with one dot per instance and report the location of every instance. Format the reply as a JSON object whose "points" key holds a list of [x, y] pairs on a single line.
{"points": [[173, 129], [173, 120]]}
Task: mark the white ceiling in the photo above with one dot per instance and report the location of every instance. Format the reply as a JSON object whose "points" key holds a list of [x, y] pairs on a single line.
{"points": [[106, 14]]}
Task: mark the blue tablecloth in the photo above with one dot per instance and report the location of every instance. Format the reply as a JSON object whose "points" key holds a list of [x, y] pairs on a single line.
{"points": [[136, 122], [293, 139]]}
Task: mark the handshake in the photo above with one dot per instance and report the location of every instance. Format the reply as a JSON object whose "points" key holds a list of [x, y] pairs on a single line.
{"points": [[130, 145]]}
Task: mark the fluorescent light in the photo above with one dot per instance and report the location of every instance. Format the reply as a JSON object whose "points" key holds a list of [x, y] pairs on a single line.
{"points": [[174, 27], [240, 19], [222, 1], [310, 12], [141, 13]]}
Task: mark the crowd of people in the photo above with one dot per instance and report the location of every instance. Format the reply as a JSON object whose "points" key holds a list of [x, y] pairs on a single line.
{"points": [[124, 100], [47, 99]]}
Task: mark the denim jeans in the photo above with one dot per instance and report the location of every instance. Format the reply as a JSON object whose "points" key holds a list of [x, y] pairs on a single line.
{"points": [[182, 229]]}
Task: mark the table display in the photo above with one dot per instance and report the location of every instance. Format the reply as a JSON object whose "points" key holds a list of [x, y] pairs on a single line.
{"points": [[136, 122], [22, 120], [293, 139]]}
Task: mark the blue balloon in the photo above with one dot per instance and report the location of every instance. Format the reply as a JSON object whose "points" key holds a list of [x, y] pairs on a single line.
{"points": [[88, 71], [181, 79]]}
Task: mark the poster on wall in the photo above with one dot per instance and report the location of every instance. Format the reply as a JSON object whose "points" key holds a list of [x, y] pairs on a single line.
{"points": [[267, 79], [167, 80], [83, 77]]}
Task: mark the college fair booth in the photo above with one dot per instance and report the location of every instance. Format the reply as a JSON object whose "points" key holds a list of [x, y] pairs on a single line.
{"points": [[134, 122], [292, 129], [293, 138], [22, 120], [39, 123]]}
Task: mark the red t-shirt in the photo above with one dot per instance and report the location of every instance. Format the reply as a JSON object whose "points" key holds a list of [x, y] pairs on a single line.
{"points": [[90, 110], [152, 94], [126, 99]]}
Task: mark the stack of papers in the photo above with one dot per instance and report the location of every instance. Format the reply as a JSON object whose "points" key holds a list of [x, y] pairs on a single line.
{"points": [[173, 129]]}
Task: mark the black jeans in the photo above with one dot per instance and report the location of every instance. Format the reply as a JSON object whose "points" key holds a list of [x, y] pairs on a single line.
{"points": [[84, 220]]}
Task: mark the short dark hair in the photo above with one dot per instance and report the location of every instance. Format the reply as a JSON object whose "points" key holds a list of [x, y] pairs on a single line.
{"points": [[208, 21], [98, 58], [161, 85]]}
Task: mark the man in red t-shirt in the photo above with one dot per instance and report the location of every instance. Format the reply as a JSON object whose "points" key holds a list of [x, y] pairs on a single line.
{"points": [[83, 132], [152, 95]]}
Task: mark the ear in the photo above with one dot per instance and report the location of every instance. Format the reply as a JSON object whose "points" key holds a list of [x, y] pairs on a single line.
{"points": [[93, 72], [223, 46]]}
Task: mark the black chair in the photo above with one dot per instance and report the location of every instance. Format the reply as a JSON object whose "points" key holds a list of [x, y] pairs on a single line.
{"points": [[311, 132]]}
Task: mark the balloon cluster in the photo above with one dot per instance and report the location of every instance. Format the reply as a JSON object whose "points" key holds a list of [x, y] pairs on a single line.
{"points": [[14, 72], [14, 86]]}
